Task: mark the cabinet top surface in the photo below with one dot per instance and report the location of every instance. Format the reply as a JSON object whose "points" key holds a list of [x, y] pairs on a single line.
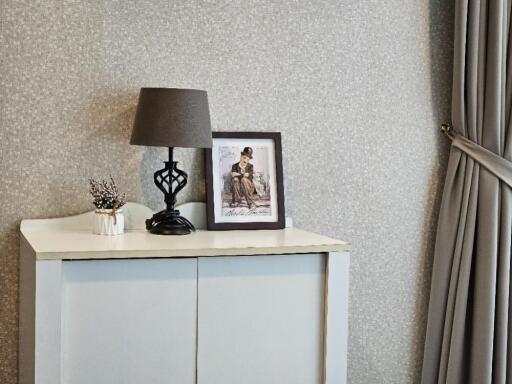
{"points": [[82, 244], [71, 238]]}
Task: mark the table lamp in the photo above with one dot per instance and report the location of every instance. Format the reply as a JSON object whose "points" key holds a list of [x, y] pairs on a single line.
{"points": [[170, 117]]}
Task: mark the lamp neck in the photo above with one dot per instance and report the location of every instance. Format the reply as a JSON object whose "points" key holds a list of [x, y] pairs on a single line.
{"points": [[171, 156]]}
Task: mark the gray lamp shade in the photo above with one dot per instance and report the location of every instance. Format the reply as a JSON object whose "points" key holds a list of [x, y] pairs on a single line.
{"points": [[170, 117]]}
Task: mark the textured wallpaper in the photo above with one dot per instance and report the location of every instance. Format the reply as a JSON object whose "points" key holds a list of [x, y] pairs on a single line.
{"points": [[357, 88]]}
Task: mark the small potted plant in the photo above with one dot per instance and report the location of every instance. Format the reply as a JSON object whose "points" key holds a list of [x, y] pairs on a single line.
{"points": [[108, 216]]}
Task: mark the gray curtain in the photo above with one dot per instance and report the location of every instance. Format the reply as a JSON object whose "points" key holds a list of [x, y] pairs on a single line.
{"points": [[469, 330]]}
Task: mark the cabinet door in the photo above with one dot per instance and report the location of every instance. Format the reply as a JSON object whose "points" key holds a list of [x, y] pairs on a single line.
{"points": [[129, 321], [261, 319]]}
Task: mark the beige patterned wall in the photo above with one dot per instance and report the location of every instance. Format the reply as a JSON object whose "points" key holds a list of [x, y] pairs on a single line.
{"points": [[356, 87]]}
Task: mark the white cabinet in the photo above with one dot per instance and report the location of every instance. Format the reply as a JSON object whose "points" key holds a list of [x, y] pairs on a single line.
{"points": [[212, 307]]}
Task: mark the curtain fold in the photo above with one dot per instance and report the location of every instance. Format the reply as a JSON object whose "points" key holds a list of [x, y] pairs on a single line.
{"points": [[469, 328]]}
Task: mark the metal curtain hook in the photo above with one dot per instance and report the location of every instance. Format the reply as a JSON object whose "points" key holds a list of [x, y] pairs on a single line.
{"points": [[447, 129]]}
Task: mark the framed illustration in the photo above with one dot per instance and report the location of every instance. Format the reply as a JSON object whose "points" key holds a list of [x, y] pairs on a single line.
{"points": [[244, 181]]}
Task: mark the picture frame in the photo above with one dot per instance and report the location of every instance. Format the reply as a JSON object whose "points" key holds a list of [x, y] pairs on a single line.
{"points": [[244, 181]]}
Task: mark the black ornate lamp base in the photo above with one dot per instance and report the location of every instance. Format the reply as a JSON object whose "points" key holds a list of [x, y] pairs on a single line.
{"points": [[170, 180], [169, 223]]}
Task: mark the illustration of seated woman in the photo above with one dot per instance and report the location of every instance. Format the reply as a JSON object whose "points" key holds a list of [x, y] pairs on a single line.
{"points": [[242, 181]]}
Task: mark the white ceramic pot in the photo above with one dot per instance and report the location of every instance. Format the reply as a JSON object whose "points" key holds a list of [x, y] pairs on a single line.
{"points": [[108, 223]]}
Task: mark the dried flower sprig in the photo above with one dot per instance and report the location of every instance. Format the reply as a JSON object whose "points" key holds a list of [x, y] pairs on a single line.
{"points": [[105, 194]]}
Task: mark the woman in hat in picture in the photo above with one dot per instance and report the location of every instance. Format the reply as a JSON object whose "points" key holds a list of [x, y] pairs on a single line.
{"points": [[242, 180]]}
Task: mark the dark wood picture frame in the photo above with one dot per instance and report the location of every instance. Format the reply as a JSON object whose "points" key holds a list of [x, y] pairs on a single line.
{"points": [[280, 223]]}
